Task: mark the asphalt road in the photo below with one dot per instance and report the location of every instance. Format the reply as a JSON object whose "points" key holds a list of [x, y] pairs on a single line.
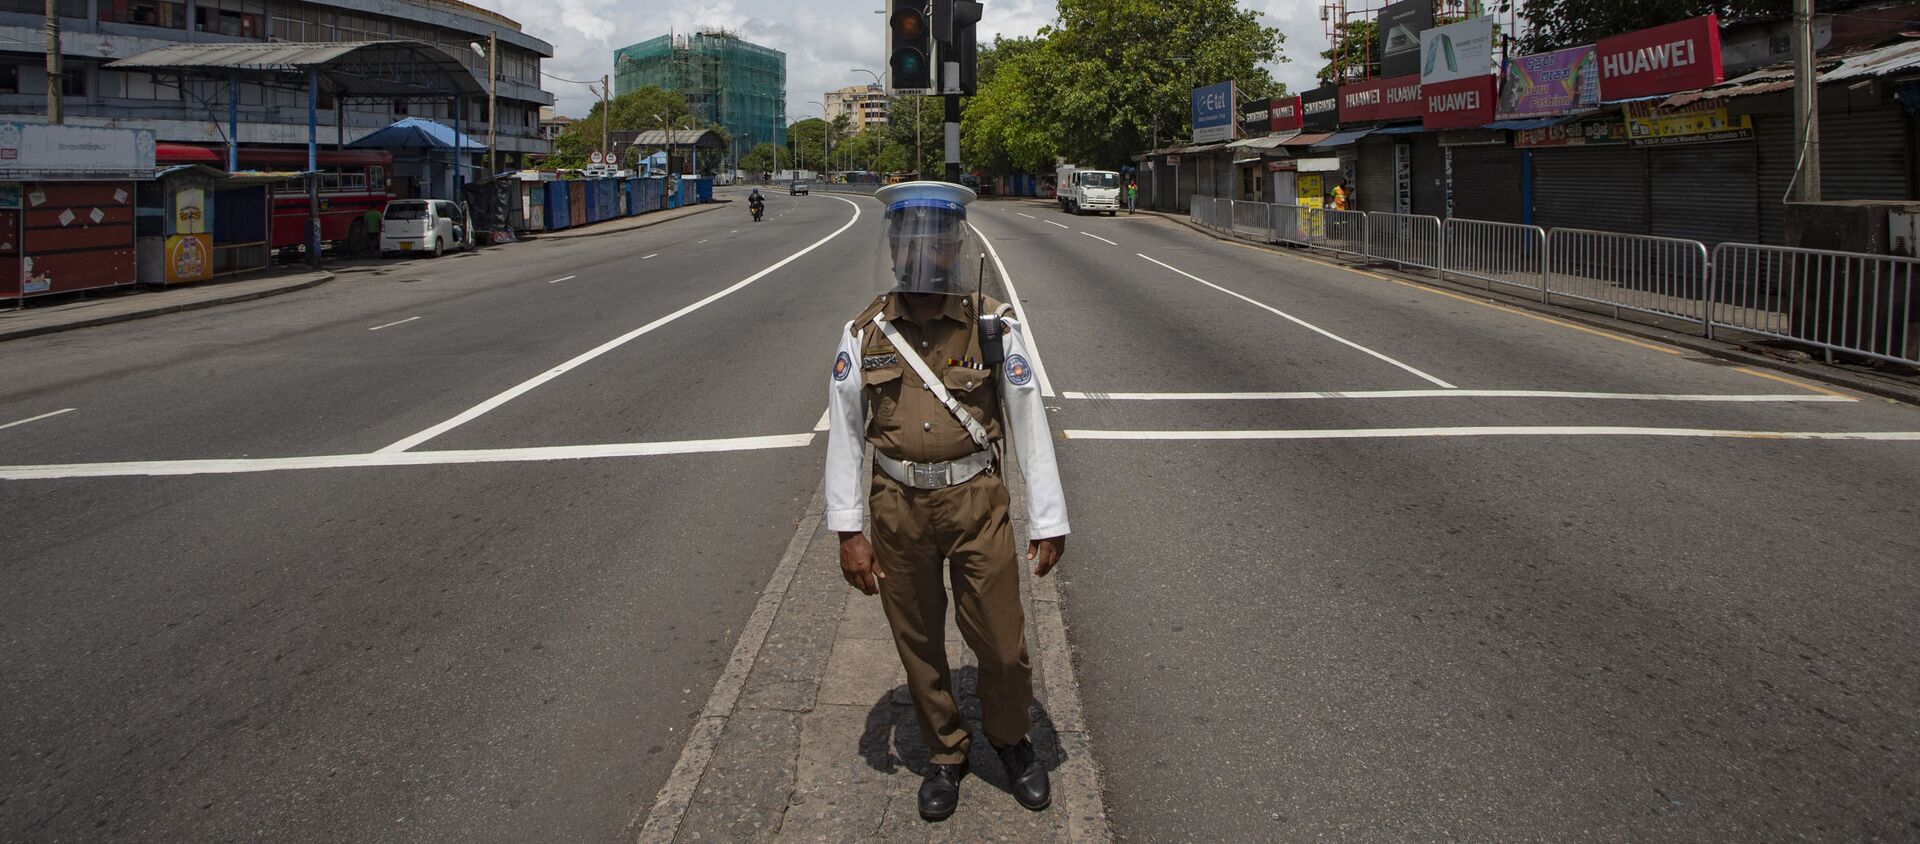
{"points": [[1418, 567], [451, 651], [1514, 636]]}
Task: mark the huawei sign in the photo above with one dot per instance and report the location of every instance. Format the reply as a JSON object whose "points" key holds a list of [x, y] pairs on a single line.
{"points": [[1662, 60]]}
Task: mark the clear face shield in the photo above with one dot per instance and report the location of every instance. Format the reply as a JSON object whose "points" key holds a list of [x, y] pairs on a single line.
{"points": [[933, 250]]}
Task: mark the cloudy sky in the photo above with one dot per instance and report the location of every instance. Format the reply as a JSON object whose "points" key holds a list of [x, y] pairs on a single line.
{"points": [[823, 41]]}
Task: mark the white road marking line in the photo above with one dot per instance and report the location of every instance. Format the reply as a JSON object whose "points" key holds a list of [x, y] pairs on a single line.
{"points": [[735, 231], [158, 468], [698, 242], [1019, 311], [1052, 223], [563, 278], [1026, 215], [1304, 324], [520, 389], [392, 324], [644, 257], [1101, 239], [1490, 431], [823, 424], [1457, 393], [38, 418]]}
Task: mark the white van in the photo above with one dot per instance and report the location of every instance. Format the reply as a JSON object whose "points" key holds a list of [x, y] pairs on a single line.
{"points": [[1094, 191], [424, 225]]}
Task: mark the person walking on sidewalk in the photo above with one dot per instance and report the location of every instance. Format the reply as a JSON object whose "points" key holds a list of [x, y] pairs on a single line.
{"points": [[1133, 193], [936, 381]]}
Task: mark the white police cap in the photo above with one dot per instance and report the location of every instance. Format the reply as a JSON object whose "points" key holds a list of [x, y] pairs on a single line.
{"points": [[945, 196]]}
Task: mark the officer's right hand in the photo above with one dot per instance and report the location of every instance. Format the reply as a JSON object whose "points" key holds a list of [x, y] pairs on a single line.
{"points": [[856, 563]]}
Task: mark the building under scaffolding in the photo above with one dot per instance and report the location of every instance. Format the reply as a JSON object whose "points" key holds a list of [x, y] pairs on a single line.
{"points": [[726, 80]]}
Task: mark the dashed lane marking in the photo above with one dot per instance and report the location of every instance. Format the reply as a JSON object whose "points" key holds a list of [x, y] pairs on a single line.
{"points": [[1101, 239], [1304, 324], [394, 323], [1052, 223], [1026, 215], [563, 278], [654, 255]]}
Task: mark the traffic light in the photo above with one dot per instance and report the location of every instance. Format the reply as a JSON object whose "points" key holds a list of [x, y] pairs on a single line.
{"points": [[909, 48], [966, 45]]}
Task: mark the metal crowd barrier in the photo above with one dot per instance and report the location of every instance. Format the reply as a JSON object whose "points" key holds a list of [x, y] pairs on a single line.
{"points": [[1496, 253], [1408, 240], [1836, 301], [1252, 219], [1663, 276]]}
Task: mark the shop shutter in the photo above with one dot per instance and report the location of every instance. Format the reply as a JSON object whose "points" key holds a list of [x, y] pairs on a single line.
{"points": [[1773, 140], [1706, 192], [1429, 176], [1486, 183], [1374, 191], [1601, 187], [76, 235], [1863, 155]]}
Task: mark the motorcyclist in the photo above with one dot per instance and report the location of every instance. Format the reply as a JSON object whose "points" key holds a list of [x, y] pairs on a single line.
{"points": [[756, 202]]}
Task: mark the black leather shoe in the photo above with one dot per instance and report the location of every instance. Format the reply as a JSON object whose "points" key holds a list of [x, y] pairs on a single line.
{"points": [[940, 792], [1026, 775]]}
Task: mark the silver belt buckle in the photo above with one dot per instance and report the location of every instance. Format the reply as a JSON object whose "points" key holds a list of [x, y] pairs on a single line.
{"points": [[930, 475]]}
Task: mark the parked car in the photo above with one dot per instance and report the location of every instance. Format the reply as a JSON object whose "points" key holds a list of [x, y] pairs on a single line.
{"points": [[424, 225], [798, 188]]}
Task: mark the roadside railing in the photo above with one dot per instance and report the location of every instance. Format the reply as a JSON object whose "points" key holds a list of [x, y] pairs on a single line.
{"points": [[1836, 301], [1406, 240], [1663, 276], [1496, 253], [1252, 219]]}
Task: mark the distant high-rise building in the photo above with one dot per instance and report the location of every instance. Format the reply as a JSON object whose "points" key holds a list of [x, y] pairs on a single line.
{"points": [[738, 85], [865, 105]]}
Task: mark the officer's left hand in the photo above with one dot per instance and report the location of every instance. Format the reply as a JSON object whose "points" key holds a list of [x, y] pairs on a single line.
{"points": [[1045, 553]]}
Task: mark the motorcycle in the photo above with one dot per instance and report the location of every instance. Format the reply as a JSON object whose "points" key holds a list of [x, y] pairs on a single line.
{"points": [[758, 209]]}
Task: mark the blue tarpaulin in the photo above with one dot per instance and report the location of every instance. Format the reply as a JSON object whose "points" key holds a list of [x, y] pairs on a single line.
{"points": [[417, 133]]}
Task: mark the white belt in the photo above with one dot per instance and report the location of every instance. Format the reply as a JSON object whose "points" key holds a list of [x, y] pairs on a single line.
{"points": [[935, 475]]}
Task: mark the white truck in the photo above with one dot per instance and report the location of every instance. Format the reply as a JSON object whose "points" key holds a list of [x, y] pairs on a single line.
{"points": [[1087, 191]]}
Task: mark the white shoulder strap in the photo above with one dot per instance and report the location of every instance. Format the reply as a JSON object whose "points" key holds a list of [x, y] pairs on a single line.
{"points": [[974, 429]]}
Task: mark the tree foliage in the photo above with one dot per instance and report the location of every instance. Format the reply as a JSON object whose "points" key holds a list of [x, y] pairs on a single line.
{"points": [[765, 158], [1570, 23], [1107, 78], [647, 108]]}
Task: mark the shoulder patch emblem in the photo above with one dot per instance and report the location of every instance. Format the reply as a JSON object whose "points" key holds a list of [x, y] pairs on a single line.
{"points": [[842, 365], [1018, 372]]}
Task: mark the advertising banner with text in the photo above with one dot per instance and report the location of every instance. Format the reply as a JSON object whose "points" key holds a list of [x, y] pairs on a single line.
{"points": [[1285, 113], [1458, 104], [1547, 84], [1396, 98], [1213, 113], [1320, 109], [1400, 27], [1662, 60], [1591, 132], [1462, 50], [1701, 123]]}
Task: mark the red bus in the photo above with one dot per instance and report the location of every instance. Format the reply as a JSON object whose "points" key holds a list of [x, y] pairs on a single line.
{"points": [[352, 183]]}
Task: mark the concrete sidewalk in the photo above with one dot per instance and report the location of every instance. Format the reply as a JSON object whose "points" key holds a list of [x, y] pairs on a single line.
{"points": [[125, 304], [810, 734]]}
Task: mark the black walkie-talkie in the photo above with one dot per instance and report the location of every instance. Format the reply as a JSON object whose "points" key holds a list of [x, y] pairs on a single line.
{"points": [[991, 329]]}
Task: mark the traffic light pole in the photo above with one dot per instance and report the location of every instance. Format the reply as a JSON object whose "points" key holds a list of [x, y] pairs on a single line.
{"points": [[953, 137]]}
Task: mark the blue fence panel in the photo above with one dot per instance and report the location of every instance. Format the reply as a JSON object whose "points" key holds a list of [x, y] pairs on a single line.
{"points": [[609, 198], [653, 194], [593, 200], [703, 190], [558, 206]]}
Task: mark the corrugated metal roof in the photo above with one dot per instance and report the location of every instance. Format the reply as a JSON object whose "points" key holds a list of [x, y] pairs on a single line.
{"points": [[418, 133], [351, 68], [1884, 61], [1306, 139], [681, 137], [1340, 139]]}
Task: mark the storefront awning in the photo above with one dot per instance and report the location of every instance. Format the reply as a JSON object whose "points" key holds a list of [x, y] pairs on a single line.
{"points": [[418, 133], [1524, 124], [1268, 142], [1409, 129], [1305, 139], [1340, 139]]}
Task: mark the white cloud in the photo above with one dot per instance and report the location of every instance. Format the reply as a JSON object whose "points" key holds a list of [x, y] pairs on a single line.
{"points": [[823, 43]]}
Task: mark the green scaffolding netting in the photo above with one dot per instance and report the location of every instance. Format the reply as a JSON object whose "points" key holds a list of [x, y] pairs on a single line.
{"points": [[738, 85]]}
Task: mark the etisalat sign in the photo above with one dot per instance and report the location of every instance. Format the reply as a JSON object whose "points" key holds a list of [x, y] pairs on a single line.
{"points": [[1213, 117]]}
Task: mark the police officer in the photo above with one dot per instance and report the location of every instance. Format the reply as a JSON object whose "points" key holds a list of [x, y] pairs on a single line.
{"points": [[937, 379]]}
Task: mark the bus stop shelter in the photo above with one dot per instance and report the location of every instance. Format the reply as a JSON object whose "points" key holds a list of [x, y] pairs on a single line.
{"points": [[349, 71]]}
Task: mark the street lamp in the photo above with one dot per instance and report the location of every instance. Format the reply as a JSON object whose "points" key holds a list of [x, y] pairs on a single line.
{"points": [[826, 139], [884, 97], [491, 53]]}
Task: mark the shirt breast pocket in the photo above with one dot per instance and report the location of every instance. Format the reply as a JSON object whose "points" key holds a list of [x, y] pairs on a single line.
{"points": [[883, 392]]}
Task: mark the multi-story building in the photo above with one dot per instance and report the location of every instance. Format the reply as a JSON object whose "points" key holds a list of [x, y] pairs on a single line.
{"points": [[95, 32], [738, 85], [552, 124], [865, 105]]}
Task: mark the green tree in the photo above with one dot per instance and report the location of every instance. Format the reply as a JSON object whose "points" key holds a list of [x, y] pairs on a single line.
{"points": [[1359, 56], [1570, 23], [1108, 76], [765, 158], [807, 139], [647, 108]]}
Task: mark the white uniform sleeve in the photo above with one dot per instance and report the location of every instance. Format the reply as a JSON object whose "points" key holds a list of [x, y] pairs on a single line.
{"points": [[847, 474], [1026, 418]]}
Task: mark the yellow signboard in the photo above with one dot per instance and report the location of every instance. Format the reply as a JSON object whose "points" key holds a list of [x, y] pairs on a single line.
{"points": [[1306, 189], [189, 258], [189, 211], [1648, 126]]}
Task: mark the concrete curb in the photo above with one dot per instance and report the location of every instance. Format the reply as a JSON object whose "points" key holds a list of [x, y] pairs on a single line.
{"points": [[313, 280], [569, 234], [1716, 348]]}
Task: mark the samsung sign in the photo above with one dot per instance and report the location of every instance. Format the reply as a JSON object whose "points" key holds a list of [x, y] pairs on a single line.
{"points": [[1320, 109], [1213, 113]]}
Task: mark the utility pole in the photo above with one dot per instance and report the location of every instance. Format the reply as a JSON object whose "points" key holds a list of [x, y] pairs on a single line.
{"points": [[55, 78], [606, 115], [1806, 106], [493, 117]]}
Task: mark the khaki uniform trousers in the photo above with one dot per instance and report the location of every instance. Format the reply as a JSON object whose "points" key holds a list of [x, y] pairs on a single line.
{"points": [[915, 533]]}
